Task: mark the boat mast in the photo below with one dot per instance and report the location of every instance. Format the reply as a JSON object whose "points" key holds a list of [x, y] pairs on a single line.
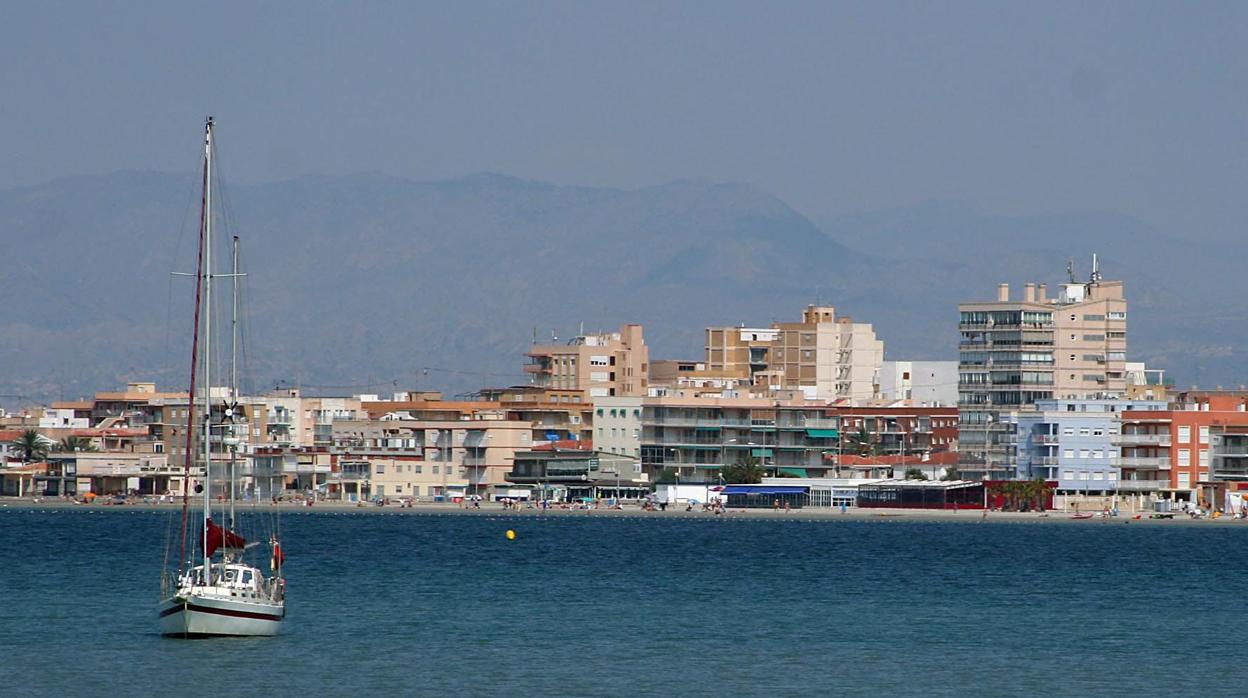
{"points": [[207, 365], [233, 375], [189, 451]]}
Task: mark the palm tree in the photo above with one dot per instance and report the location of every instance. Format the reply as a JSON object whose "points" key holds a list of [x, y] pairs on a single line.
{"points": [[32, 445], [747, 471], [74, 444], [861, 443]]}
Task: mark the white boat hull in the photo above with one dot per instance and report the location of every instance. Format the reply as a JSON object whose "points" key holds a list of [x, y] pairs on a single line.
{"points": [[207, 616]]}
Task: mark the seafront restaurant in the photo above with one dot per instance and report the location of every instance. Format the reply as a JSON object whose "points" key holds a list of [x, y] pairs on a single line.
{"points": [[814, 492], [577, 472], [766, 496], [922, 494]]}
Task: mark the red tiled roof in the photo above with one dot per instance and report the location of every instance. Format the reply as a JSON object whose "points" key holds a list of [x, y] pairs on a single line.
{"points": [[109, 432]]}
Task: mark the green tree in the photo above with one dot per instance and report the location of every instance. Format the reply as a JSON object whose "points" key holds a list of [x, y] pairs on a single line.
{"points": [[74, 444], [747, 471], [915, 474], [667, 477], [32, 445], [951, 474], [861, 443]]}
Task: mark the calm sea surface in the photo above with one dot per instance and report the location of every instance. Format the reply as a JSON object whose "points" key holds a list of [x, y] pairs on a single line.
{"points": [[446, 605]]}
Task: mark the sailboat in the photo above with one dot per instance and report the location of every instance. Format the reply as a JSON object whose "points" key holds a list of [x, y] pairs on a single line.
{"points": [[214, 590]]}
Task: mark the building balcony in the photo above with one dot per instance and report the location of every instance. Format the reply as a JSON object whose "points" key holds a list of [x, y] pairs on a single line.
{"points": [[1143, 462], [1141, 439], [350, 476], [1047, 439], [1142, 485]]}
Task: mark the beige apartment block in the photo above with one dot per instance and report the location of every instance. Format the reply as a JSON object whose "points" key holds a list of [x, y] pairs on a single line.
{"points": [[597, 365], [298, 421], [825, 356], [434, 457], [1017, 350]]}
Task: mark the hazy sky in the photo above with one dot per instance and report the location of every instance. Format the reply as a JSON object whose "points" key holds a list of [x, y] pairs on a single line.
{"points": [[1132, 107]]}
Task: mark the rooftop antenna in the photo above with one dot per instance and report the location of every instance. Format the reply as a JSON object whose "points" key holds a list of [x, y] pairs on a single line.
{"points": [[1070, 269], [1096, 269]]}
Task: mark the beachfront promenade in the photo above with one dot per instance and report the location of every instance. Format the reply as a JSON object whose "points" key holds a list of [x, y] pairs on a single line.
{"points": [[632, 511]]}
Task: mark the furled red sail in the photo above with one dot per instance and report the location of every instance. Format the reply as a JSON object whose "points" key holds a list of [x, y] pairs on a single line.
{"points": [[278, 558], [220, 538]]}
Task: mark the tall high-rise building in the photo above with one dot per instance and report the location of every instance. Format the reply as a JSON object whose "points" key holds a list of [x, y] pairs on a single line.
{"points": [[1014, 352], [825, 356]]}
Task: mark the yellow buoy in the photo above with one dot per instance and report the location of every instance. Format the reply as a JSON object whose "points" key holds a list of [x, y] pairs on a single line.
{"points": [[511, 535]]}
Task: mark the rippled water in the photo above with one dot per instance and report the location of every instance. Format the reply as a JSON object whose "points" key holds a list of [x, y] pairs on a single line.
{"points": [[446, 605]]}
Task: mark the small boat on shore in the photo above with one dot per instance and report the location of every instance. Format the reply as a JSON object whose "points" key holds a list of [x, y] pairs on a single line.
{"points": [[1084, 515]]}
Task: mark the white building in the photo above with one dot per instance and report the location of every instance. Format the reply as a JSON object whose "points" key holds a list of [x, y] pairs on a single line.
{"points": [[920, 383]]}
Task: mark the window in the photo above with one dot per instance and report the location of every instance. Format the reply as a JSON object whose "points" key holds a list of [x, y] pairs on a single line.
{"points": [[1185, 434], [1068, 431], [1084, 431], [1068, 475], [1117, 315], [1204, 435], [1083, 453], [1204, 459], [436, 470], [1098, 453], [1093, 318], [379, 468], [419, 469], [1185, 480], [1185, 457], [1068, 453]]}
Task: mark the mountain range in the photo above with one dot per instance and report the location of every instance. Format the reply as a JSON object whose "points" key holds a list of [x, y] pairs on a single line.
{"points": [[365, 283]]}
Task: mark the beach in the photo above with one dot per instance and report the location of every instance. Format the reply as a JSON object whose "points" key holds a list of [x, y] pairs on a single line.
{"points": [[633, 511]]}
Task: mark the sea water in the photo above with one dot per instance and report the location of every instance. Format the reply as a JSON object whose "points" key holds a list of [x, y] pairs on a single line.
{"points": [[386, 604]]}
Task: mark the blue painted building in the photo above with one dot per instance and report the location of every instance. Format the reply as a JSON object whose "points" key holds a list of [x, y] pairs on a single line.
{"points": [[1073, 442]]}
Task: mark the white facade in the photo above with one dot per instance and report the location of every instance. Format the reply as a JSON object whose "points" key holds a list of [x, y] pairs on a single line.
{"points": [[62, 419], [617, 425], [920, 383]]}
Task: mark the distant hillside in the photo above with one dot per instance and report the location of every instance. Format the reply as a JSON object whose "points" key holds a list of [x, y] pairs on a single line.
{"points": [[366, 280]]}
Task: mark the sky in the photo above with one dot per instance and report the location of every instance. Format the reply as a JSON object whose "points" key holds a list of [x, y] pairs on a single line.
{"points": [[1137, 108]]}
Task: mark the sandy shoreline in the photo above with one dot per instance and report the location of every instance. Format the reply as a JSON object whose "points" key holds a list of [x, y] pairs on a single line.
{"points": [[495, 510]]}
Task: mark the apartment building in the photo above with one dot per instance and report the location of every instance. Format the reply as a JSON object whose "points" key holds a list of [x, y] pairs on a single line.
{"points": [[438, 457], [698, 436], [1016, 351], [825, 356], [1176, 447], [1076, 444], [617, 425], [596, 365]]}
